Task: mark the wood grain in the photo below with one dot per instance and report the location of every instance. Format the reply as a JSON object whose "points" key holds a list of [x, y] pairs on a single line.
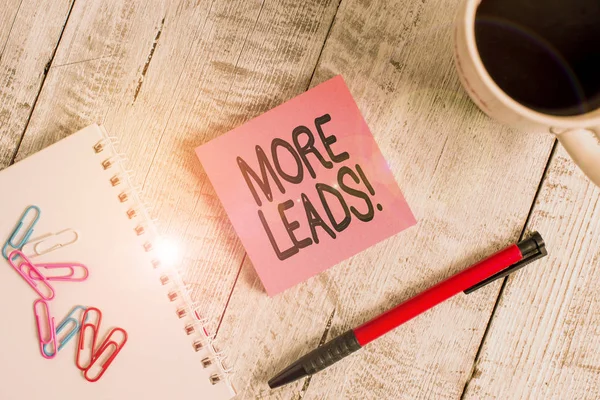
{"points": [[8, 15], [29, 33], [470, 182], [545, 338]]}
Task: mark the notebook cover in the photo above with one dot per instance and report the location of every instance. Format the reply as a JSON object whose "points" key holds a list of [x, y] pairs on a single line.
{"points": [[73, 191]]}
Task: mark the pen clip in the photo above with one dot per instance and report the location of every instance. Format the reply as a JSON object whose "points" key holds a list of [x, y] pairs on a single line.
{"points": [[532, 250]]}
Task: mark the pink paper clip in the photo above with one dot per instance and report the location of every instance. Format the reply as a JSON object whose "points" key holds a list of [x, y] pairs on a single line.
{"points": [[105, 356], [69, 274], [47, 292], [81, 347], [49, 323]]}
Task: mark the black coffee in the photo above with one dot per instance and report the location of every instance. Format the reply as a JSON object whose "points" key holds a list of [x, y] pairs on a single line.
{"points": [[545, 54]]}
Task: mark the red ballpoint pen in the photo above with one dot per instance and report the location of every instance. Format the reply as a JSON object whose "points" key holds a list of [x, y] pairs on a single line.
{"points": [[495, 267]]}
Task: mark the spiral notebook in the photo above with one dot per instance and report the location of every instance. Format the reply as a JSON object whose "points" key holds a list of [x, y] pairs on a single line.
{"points": [[80, 184]]}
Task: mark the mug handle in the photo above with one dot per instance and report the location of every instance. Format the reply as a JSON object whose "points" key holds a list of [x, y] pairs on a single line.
{"points": [[583, 145]]}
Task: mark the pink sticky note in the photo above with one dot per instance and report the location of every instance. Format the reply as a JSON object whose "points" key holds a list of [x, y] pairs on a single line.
{"points": [[305, 185]]}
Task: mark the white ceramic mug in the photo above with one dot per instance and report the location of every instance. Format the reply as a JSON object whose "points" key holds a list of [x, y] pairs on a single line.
{"points": [[580, 134]]}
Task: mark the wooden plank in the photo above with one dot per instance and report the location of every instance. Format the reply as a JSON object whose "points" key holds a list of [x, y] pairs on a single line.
{"points": [[100, 58], [29, 32], [470, 182], [545, 338], [167, 78], [8, 15]]}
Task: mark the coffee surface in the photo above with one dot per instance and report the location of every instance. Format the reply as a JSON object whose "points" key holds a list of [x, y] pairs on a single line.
{"points": [[545, 54]]}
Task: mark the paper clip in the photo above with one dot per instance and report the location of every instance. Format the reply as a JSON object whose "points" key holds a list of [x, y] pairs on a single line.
{"points": [[82, 341], [50, 325], [50, 242], [68, 275], [10, 243], [68, 319], [105, 355], [31, 269]]}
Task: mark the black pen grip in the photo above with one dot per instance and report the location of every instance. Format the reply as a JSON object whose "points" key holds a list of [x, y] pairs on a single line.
{"points": [[330, 353]]}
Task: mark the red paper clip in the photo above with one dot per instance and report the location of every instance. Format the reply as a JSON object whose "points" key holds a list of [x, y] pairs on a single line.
{"points": [[49, 323], [69, 274], [26, 274], [82, 333], [105, 355]]}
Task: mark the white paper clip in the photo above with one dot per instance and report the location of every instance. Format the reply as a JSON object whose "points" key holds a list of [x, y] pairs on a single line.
{"points": [[50, 242]]}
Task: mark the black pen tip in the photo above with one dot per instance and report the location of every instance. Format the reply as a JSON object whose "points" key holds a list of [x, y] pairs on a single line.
{"points": [[290, 374]]}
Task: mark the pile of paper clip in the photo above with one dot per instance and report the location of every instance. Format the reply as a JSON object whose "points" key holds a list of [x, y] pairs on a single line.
{"points": [[92, 359]]}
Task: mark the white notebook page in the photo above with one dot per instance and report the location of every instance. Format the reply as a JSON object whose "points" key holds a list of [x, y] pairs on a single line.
{"points": [[73, 191]]}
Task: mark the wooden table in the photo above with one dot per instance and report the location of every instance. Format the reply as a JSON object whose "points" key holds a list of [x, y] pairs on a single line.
{"points": [[166, 76]]}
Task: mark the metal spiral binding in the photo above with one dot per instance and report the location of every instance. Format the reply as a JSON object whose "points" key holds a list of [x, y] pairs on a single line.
{"points": [[195, 326]]}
